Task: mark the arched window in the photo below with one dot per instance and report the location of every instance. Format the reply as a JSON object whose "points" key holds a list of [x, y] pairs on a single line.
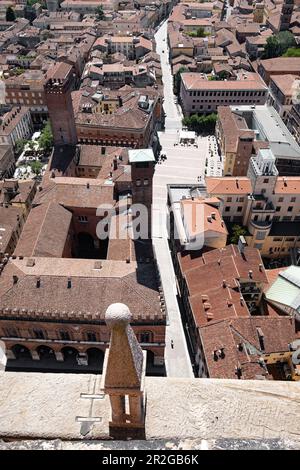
{"points": [[146, 337], [91, 336], [38, 333], [64, 335]]}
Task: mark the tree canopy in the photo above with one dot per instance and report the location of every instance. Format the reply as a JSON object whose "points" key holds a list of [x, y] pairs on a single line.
{"points": [[199, 33], [20, 145], [199, 124], [237, 231], [36, 167], [46, 138], [177, 79], [292, 52], [278, 44], [100, 12], [10, 14]]}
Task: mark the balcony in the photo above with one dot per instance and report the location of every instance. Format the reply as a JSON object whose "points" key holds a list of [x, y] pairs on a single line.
{"points": [[261, 224], [265, 207]]}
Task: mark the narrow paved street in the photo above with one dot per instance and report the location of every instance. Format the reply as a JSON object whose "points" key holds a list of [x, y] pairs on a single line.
{"points": [[183, 166], [173, 170]]}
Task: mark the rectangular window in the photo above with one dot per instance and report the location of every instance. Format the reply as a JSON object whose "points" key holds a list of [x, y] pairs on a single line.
{"points": [[229, 199], [290, 208], [293, 199], [280, 199], [260, 235], [266, 180], [278, 208], [239, 209], [277, 239], [227, 209], [83, 219]]}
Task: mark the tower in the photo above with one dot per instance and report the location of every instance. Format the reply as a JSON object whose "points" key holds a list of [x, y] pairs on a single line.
{"points": [[142, 170], [286, 15], [258, 12], [262, 172], [260, 211], [58, 88]]}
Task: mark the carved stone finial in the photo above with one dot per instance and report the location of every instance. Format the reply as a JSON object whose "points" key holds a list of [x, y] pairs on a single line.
{"points": [[123, 374], [118, 315]]}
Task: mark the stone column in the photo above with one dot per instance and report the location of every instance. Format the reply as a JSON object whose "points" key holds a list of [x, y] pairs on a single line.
{"points": [[118, 408], [10, 354], [3, 356], [35, 355], [135, 406], [59, 356]]}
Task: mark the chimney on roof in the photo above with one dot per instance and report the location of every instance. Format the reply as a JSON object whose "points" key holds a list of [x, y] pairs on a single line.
{"points": [[238, 371], [88, 185], [209, 316], [261, 337], [127, 260], [69, 283], [221, 352], [224, 283], [284, 182], [237, 183], [208, 218], [38, 282], [250, 273], [15, 279], [115, 163], [213, 215], [242, 300], [260, 267], [219, 261], [242, 244]]}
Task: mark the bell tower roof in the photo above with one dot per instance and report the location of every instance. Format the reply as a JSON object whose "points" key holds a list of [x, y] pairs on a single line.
{"points": [[141, 155]]}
